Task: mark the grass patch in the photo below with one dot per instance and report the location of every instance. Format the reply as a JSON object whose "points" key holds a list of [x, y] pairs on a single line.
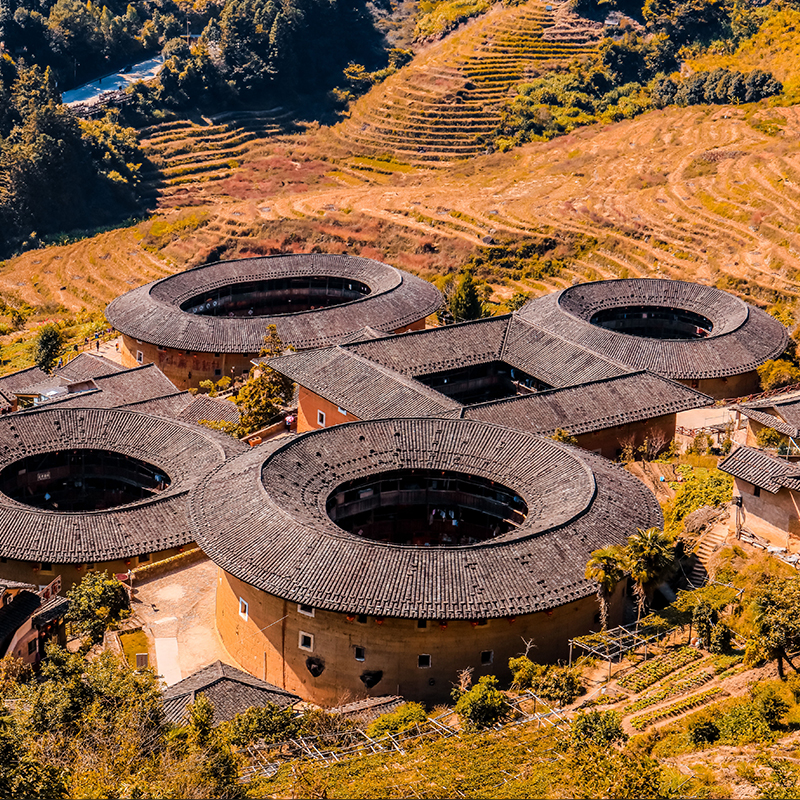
{"points": [[133, 642]]}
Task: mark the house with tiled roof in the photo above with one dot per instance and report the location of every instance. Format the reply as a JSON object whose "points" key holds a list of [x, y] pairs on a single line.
{"points": [[28, 622], [501, 369], [84, 488], [695, 334], [211, 321], [780, 413], [766, 495], [382, 557], [228, 689]]}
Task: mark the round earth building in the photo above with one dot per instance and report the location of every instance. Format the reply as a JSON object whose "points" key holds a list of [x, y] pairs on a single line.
{"points": [[695, 334], [208, 322], [384, 557], [98, 489]]}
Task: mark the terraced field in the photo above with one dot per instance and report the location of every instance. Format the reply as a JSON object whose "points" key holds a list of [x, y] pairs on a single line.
{"points": [[188, 157], [437, 109]]}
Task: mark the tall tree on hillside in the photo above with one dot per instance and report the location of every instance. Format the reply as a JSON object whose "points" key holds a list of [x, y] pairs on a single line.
{"points": [[650, 554], [48, 347], [606, 568], [465, 304], [777, 624]]}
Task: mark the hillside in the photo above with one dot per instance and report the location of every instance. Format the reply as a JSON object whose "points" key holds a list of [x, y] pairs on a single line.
{"points": [[436, 109]]}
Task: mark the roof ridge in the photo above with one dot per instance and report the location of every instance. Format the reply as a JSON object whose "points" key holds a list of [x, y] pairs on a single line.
{"points": [[571, 342], [411, 383]]}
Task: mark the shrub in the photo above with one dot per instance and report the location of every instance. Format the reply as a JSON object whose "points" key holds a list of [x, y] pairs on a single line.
{"points": [[269, 723], [702, 730], [743, 724], [599, 727], [720, 640], [770, 439], [403, 718], [483, 705], [48, 346]]}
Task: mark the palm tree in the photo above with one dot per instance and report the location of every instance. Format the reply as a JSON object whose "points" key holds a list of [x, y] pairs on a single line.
{"points": [[606, 568], [650, 554]]}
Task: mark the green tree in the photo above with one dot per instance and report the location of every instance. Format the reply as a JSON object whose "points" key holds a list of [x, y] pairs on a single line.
{"points": [[48, 346], [96, 602], [483, 705], [268, 723], [606, 567], [650, 554], [777, 373], [777, 624], [465, 303], [262, 395]]}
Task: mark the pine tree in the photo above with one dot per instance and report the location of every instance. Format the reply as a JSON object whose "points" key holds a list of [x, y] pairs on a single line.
{"points": [[465, 303]]}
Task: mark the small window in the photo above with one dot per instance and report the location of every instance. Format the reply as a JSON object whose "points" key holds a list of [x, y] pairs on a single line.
{"points": [[217, 373], [321, 419], [32, 646], [362, 618], [144, 558], [487, 657], [482, 622], [757, 491], [305, 641], [139, 357], [307, 610], [423, 661], [243, 609], [422, 623], [341, 411], [47, 566], [361, 654]]}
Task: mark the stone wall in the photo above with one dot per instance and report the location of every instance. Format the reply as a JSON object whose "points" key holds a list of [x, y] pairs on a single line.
{"points": [[264, 637]]}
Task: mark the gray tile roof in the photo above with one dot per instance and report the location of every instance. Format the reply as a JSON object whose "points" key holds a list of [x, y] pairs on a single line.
{"points": [[10, 384], [182, 450], [152, 313], [361, 387], [88, 365], [281, 540], [762, 470], [53, 609], [770, 420], [743, 337], [606, 403], [117, 389], [214, 409], [170, 405], [229, 690], [14, 614]]}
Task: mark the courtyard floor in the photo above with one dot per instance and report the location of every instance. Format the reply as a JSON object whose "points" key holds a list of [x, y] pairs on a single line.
{"points": [[176, 612]]}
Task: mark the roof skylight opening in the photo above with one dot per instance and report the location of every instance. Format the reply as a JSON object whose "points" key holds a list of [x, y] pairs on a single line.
{"points": [[427, 508], [81, 480], [654, 322], [276, 296]]}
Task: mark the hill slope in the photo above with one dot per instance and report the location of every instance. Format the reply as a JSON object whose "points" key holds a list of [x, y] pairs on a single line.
{"points": [[436, 109]]}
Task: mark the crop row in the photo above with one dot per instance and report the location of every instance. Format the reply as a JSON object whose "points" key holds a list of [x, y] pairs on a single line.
{"points": [[674, 709], [652, 671], [676, 685]]}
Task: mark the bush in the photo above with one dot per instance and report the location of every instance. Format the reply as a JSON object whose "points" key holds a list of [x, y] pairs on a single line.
{"points": [[770, 439], [269, 723], [598, 727], [702, 730], [744, 724], [778, 373], [561, 685], [403, 718], [720, 638], [483, 705]]}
